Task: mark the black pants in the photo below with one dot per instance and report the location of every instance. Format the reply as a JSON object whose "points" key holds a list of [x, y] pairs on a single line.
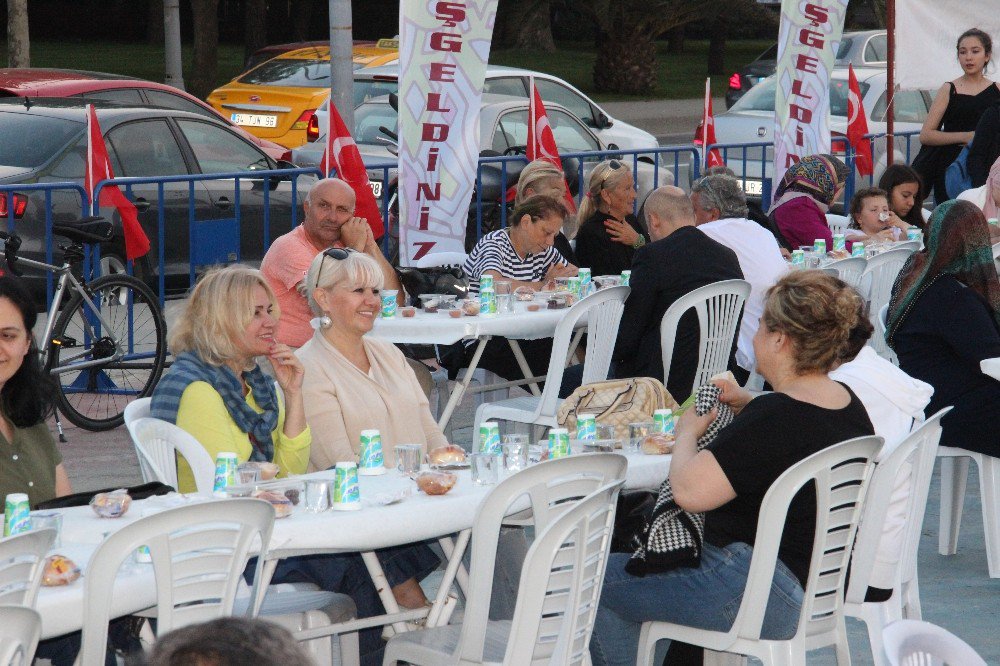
{"points": [[499, 359]]}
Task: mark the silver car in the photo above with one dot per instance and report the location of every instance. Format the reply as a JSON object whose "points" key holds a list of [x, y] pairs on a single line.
{"points": [[751, 120]]}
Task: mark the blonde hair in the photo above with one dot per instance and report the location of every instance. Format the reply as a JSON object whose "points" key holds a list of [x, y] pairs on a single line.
{"points": [[817, 312], [218, 312], [532, 176], [602, 177], [358, 269]]}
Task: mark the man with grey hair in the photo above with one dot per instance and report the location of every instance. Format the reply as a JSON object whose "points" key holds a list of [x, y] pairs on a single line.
{"points": [[720, 208], [329, 221], [679, 259]]}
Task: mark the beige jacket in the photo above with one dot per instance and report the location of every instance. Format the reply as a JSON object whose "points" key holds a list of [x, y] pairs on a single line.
{"points": [[341, 401]]}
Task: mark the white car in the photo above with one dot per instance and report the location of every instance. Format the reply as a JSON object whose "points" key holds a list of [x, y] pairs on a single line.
{"points": [[751, 120], [372, 82]]}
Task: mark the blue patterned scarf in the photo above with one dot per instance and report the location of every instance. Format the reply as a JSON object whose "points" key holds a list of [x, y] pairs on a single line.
{"points": [[188, 368]]}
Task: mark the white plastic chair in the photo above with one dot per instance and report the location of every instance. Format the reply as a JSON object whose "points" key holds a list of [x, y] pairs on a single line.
{"points": [[603, 310], [911, 245], [849, 270], [954, 476], [22, 561], [876, 286], [561, 493], [914, 456], [881, 325], [918, 643], [996, 251], [20, 629], [840, 473], [199, 553], [718, 306], [837, 223], [137, 409], [157, 444]]}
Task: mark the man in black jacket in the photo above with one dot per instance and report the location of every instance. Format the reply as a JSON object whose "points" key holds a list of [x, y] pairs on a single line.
{"points": [[985, 147], [679, 260]]}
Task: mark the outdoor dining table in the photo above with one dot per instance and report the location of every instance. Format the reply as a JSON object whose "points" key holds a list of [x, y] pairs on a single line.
{"points": [[415, 517], [440, 328]]}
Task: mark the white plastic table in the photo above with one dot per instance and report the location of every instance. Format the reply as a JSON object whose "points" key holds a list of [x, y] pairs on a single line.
{"points": [[418, 517]]}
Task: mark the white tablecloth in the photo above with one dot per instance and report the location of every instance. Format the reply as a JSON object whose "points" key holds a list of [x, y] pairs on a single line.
{"points": [[416, 518], [440, 328]]}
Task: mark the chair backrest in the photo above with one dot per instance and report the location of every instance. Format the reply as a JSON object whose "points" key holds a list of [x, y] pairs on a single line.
{"points": [[22, 562], [911, 245], [718, 306], [849, 270], [919, 643], [876, 286], [881, 319], [603, 310], [837, 223], [137, 409], [198, 553], [20, 629], [913, 457], [551, 488], [840, 473], [157, 444], [561, 584]]}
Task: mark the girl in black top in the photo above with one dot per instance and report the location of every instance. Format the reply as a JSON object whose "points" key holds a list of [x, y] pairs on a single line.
{"points": [[609, 233], [906, 194], [952, 119]]}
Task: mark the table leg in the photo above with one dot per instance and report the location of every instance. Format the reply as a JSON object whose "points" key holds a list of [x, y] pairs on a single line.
{"points": [[456, 396], [462, 576], [523, 363], [382, 587], [437, 616]]}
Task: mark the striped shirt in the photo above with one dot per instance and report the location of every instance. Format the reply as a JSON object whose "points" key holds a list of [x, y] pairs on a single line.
{"points": [[495, 252]]}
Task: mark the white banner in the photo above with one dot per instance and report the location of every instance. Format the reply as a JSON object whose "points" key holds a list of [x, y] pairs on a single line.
{"points": [[926, 36], [807, 43], [443, 51]]}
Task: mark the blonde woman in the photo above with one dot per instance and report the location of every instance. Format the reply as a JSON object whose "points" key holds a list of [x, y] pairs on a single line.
{"points": [[216, 391], [543, 177], [609, 233]]}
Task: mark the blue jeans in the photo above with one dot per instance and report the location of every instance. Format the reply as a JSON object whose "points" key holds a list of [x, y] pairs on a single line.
{"points": [[706, 597]]}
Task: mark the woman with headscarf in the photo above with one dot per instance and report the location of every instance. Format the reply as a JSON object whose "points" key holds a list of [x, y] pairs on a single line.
{"points": [[804, 196], [944, 318]]}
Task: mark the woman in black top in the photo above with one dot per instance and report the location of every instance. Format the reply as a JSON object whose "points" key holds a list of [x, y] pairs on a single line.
{"points": [[807, 321], [906, 194], [985, 147], [944, 318], [952, 119], [609, 233]]}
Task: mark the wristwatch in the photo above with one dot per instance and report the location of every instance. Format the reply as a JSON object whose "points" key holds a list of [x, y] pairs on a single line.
{"points": [[639, 242]]}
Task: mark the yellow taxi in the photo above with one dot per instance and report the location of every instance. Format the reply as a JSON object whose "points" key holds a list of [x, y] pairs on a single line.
{"points": [[276, 99]]}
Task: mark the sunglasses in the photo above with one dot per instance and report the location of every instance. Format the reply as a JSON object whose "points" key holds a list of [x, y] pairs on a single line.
{"points": [[337, 253], [613, 165]]}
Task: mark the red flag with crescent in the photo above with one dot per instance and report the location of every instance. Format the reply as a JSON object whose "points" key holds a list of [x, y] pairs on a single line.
{"points": [[341, 153], [541, 142], [857, 126], [98, 169], [705, 133]]}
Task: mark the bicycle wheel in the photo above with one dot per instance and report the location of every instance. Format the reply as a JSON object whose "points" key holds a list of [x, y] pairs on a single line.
{"points": [[94, 384]]}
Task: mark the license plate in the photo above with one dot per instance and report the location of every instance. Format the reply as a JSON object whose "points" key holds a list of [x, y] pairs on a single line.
{"points": [[376, 186], [753, 187], [254, 120]]}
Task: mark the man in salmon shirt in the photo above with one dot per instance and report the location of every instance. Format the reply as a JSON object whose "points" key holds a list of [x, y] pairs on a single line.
{"points": [[329, 222]]}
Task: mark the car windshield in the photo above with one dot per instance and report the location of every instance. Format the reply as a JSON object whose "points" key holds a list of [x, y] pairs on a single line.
{"points": [[366, 89], [761, 97], [290, 73], [29, 140], [369, 117]]}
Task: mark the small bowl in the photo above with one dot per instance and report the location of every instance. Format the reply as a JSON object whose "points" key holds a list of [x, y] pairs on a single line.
{"points": [[596, 445], [436, 483], [59, 570], [524, 294], [455, 314], [534, 307], [111, 505], [408, 311], [470, 307], [282, 504]]}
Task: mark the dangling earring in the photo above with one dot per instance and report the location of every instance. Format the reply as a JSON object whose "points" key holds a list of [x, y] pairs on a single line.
{"points": [[325, 322]]}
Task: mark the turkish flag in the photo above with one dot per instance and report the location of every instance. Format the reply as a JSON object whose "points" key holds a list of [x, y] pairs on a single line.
{"points": [[541, 142], [98, 169], [857, 126], [706, 131], [341, 153]]}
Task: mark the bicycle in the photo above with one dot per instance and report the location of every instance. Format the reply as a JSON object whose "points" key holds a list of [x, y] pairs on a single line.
{"points": [[106, 346]]}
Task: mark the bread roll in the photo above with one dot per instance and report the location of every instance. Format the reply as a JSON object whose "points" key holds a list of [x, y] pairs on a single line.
{"points": [[446, 454]]}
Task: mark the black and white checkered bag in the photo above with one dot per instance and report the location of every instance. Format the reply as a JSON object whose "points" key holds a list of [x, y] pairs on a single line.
{"points": [[673, 537]]}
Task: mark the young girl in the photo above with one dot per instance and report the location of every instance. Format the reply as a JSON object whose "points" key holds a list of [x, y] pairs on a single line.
{"points": [[871, 220], [906, 194]]}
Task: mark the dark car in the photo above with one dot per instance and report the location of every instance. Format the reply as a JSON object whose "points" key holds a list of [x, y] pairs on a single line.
{"points": [[44, 141], [865, 48], [43, 82]]}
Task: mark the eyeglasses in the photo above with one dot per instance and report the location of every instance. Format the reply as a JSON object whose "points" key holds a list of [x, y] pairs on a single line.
{"points": [[337, 253]]}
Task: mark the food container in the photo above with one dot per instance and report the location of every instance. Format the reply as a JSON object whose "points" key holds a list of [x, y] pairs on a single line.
{"points": [[470, 307], [524, 294], [436, 483], [59, 570], [657, 444], [268, 470], [408, 311], [282, 505], [605, 281], [449, 455], [534, 307], [430, 302], [455, 314], [111, 505], [596, 445]]}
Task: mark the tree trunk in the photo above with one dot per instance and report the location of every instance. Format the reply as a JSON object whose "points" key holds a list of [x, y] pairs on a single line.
{"points": [[675, 41], [530, 27], [717, 44], [254, 26], [154, 22], [18, 45], [205, 14], [626, 63], [301, 18]]}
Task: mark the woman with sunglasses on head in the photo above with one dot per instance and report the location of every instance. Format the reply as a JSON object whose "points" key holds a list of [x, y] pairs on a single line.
{"points": [[803, 198], [609, 233]]}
